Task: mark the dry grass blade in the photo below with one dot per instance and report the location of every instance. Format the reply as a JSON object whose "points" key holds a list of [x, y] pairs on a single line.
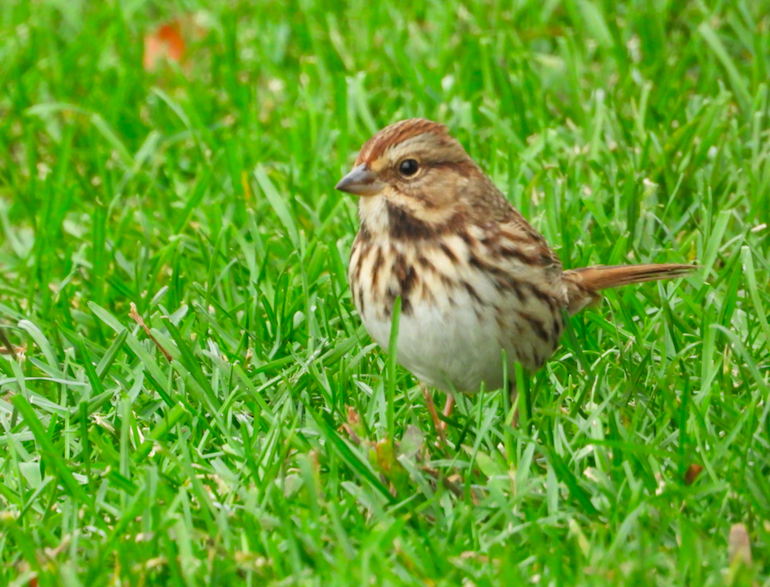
{"points": [[134, 315]]}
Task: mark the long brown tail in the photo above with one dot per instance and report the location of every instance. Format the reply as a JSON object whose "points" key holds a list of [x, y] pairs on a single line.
{"points": [[584, 285]]}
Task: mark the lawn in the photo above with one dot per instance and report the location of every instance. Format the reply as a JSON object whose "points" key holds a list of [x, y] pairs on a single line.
{"points": [[242, 435]]}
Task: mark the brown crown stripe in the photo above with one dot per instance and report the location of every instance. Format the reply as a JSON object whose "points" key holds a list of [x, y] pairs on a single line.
{"points": [[397, 133]]}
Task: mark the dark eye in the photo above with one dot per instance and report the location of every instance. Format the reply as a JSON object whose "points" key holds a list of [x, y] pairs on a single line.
{"points": [[408, 167]]}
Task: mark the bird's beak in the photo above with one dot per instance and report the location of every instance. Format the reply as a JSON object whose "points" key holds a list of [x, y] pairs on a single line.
{"points": [[362, 181]]}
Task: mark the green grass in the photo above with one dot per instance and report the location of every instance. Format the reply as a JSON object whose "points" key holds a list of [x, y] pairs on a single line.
{"points": [[629, 132]]}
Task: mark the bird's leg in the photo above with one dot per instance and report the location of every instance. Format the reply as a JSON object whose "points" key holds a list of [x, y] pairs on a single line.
{"points": [[432, 409], [450, 403]]}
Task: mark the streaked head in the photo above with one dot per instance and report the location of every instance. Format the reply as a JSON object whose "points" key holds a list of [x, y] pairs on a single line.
{"points": [[414, 164]]}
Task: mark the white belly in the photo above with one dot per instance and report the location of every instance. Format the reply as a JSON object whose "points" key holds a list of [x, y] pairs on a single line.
{"points": [[448, 347]]}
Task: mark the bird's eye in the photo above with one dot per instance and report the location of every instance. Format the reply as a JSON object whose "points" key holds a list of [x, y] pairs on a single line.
{"points": [[408, 167]]}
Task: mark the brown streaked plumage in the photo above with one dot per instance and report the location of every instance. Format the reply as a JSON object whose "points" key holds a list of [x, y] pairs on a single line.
{"points": [[475, 278]]}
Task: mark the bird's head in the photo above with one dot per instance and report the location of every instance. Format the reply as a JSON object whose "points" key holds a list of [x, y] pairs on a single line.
{"points": [[414, 169]]}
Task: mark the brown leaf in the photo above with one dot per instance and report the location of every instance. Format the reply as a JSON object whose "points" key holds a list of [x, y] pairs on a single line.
{"points": [[165, 42], [692, 474]]}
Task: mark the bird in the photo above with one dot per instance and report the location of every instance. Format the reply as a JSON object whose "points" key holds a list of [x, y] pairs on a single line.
{"points": [[477, 282]]}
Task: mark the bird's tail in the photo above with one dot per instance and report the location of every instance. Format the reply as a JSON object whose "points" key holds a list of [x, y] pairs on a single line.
{"points": [[584, 285]]}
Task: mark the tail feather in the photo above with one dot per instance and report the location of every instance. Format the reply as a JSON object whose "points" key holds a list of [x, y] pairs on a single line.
{"points": [[584, 285]]}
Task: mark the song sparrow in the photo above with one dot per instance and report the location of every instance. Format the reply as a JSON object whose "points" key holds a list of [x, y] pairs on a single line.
{"points": [[474, 277]]}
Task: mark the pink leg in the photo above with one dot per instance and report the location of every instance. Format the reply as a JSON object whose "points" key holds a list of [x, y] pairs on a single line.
{"points": [[450, 403], [432, 409]]}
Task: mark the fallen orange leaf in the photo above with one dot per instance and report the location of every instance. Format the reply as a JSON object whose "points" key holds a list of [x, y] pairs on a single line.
{"points": [[692, 474], [165, 42]]}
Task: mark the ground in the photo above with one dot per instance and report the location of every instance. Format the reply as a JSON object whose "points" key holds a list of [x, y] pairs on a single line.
{"points": [[194, 192]]}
